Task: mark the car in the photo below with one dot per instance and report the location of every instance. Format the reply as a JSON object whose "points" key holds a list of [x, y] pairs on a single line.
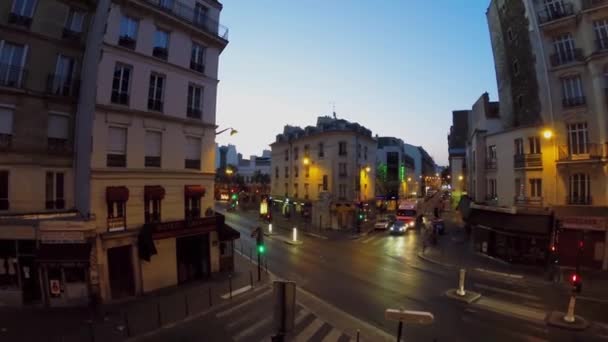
{"points": [[382, 223], [399, 227]]}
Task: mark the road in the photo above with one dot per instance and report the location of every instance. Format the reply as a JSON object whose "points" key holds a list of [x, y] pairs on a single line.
{"points": [[363, 277]]}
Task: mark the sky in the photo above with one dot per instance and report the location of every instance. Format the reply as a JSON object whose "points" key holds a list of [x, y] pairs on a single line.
{"points": [[398, 67]]}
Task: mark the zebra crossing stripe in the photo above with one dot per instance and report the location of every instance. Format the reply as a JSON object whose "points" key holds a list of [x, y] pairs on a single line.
{"points": [[252, 328], [243, 304], [310, 330], [333, 336]]}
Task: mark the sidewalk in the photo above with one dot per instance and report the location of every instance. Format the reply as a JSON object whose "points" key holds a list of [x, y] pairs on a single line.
{"points": [[117, 322]]}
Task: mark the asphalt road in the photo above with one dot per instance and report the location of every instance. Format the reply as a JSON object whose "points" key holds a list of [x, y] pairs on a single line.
{"points": [[364, 277]]}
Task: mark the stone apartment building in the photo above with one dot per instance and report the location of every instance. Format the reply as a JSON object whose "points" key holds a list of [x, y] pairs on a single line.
{"points": [[548, 154], [395, 171], [324, 172], [424, 167], [457, 143]]}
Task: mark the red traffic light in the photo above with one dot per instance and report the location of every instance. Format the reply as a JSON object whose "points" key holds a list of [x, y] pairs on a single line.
{"points": [[553, 248], [580, 244], [574, 278]]}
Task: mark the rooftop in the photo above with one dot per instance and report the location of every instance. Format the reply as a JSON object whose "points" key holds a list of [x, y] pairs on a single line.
{"points": [[324, 124]]}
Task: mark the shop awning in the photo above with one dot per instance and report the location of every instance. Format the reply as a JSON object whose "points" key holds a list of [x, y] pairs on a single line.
{"points": [[516, 223], [64, 252], [117, 194], [194, 191], [227, 233], [582, 217], [154, 192]]}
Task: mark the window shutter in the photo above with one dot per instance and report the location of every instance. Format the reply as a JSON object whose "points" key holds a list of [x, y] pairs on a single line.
{"points": [[193, 148], [58, 126], [153, 144], [117, 140], [6, 121]]}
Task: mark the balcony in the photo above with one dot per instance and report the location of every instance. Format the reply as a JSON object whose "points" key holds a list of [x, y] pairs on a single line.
{"points": [[155, 105], [342, 175], [62, 86], [491, 164], [197, 67], [578, 200], [557, 11], [192, 164], [12, 76], [568, 102], [589, 4], [126, 41], [120, 98], [194, 113], [116, 224], [19, 20], [526, 161], [58, 146], [71, 35], [581, 153], [116, 160], [152, 161], [6, 141], [160, 52], [567, 57], [528, 201], [191, 16], [56, 204]]}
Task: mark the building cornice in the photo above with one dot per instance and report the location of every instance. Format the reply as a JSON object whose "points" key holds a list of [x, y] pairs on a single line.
{"points": [[29, 34], [320, 134], [154, 115], [149, 173]]}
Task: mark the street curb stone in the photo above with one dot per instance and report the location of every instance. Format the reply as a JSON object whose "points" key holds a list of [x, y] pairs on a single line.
{"points": [[468, 298], [556, 319]]}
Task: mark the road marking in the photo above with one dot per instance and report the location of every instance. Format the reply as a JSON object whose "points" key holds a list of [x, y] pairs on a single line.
{"points": [[333, 336], [300, 316], [509, 309], [236, 292], [509, 275], [509, 292], [243, 304], [310, 330], [251, 329]]}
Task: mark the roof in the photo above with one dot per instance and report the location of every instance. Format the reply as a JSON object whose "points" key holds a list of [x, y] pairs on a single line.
{"points": [[324, 124]]}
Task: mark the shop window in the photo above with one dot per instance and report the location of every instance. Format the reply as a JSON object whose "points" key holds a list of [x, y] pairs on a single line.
{"points": [[8, 264], [152, 210], [74, 275], [117, 215]]}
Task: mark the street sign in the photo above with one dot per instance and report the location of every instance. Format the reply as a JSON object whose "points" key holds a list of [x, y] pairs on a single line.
{"points": [[409, 316], [284, 293]]}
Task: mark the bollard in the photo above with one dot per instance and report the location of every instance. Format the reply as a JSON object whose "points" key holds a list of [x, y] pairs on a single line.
{"points": [[250, 254], [210, 300], [126, 320], [187, 309], [358, 335], [295, 234], [160, 322], [266, 264], [570, 314], [461, 291], [230, 284], [270, 228], [92, 331]]}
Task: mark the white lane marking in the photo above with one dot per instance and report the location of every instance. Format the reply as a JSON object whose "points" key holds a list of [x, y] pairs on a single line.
{"points": [[236, 292], [508, 275], [243, 304], [300, 316], [509, 309], [504, 291], [333, 336], [251, 329], [310, 330]]}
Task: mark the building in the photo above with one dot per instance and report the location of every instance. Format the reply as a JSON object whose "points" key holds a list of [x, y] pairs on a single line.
{"points": [[550, 152], [255, 165], [324, 172], [152, 162], [226, 155], [424, 166], [41, 49], [395, 177], [457, 143]]}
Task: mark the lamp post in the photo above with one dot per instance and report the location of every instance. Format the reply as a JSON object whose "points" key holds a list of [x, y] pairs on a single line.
{"points": [[232, 131], [548, 134]]}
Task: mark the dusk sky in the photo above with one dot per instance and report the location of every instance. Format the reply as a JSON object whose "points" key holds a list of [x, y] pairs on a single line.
{"points": [[397, 67]]}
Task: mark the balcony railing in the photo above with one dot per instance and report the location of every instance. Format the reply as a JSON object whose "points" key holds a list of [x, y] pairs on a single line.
{"points": [[577, 101], [554, 12], [529, 201], [116, 224], [587, 4], [59, 146], [197, 67], [12, 76], [160, 52], [19, 19], [491, 164], [582, 152], [567, 57], [116, 160], [155, 105], [192, 16], [6, 141], [192, 164], [62, 86], [194, 113], [127, 41], [56, 204], [152, 161], [70, 34], [579, 200], [521, 161]]}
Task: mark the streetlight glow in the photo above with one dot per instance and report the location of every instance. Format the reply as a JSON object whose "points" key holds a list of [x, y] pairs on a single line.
{"points": [[229, 171], [547, 134], [368, 169], [460, 177], [306, 161]]}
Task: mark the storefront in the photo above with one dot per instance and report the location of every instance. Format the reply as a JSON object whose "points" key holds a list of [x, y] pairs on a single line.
{"points": [[227, 235], [342, 215], [19, 282]]}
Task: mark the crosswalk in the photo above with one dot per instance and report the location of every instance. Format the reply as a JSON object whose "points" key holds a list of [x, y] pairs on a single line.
{"points": [[251, 320]]}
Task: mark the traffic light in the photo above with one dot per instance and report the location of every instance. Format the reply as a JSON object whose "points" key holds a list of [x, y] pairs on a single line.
{"points": [[576, 282], [260, 242], [234, 196]]}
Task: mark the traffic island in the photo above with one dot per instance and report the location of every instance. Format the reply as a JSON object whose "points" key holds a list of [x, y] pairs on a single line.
{"points": [[556, 319], [468, 297]]}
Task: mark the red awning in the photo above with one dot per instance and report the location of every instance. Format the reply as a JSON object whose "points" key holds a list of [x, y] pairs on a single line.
{"points": [[117, 193], [194, 191], [154, 192], [64, 252]]}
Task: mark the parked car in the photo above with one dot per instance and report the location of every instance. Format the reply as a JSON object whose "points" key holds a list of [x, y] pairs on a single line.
{"points": [[398, 227], [382, 223]]}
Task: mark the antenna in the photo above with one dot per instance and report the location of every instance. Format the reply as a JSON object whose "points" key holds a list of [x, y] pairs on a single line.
{"points": [[333, 109]]}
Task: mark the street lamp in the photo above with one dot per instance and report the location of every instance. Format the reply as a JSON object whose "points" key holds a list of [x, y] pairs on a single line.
{"points": [[547, 134], [306, 160], [460, 177], [232, 131], [229, 171], [368, 169]]}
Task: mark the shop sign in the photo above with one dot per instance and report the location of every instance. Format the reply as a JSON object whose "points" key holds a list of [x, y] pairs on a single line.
{"points": [[62, 237], [581, 222], [55, 287]]}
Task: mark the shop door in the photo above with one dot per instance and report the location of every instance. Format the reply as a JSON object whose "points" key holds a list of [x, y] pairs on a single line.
{"points": [[121, 272], [192, 258], [29, 280]]}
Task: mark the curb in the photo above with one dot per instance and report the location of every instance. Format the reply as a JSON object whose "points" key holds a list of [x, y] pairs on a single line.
{"points": [[433, 261], [555, 319], [468, 298], [501, 274]]}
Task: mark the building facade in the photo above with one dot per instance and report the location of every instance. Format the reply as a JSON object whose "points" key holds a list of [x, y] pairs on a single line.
{"points": [[424, 167], [324, 172], [395, 173], [457, 143]]}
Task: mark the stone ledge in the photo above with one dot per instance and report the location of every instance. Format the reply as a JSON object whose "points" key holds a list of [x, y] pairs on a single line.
{"points": [[556, 319]]}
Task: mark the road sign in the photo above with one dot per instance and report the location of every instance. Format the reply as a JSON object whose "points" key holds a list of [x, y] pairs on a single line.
{"points": [[409, 316]]}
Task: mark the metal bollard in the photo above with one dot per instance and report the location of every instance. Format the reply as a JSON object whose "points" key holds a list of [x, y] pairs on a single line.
{"points": [[358, 335], [126, 320], [160, 322], [187, 309], [230, 284], [210, 300], [266, 264], [461, 291]]}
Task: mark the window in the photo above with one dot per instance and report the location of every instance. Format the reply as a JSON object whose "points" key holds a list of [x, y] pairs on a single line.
{"points": [[358, 150], [117, 147], [286, 189], [54, 190], [295, 172], [117, 215], [519, 188], [342, 191], [307, 171], [128, 32], [579, 189], [120, 84], [61, 82], [601, 33], [492, 189], [534, 145], [307, 151], [295, 190], [167, 4], [153, 148], [200, 14], [6, 128], [197, 58], [195, 99], [578, 138], [342, 169], [22, 12], [286, 172], [73, 24], [276, 172], [161, 44], [4, 204], [515, 67], [192, 205], [325, 183], [152, 210], [321, 150], [365, 152], [342, 148], [492, 152], [536, 187], [519, 146], [286, 154], [193, 153], [295, 153], [58, 133], [305, 190], [12, 60], [155, 92], [564, 49], [572, 91]]}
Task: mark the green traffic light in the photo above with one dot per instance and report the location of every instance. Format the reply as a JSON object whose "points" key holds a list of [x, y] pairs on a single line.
{"points": [[360, 216], [261, 249], [233, 196]]}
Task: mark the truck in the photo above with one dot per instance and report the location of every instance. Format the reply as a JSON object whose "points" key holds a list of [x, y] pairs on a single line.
{"points": [[409, 212]]}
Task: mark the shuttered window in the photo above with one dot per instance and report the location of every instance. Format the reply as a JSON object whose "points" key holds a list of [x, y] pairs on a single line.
{"points": [[117, 140], [153, 144], [6, 121], [58, 126]]}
